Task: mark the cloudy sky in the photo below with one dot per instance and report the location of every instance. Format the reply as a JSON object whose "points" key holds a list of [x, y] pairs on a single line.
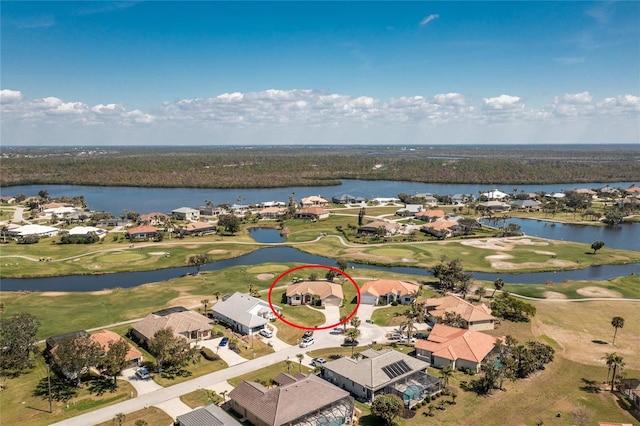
{"points": [[116, 73]]}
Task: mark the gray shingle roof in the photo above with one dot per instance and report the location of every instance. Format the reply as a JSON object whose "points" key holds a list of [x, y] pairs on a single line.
{"points": [[210, 415], [244, 309]]}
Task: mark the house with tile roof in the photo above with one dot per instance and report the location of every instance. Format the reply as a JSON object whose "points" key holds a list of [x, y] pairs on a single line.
{"points": [[474, 317], [305, 292], [186, 213], [431, 215], [387, 291], [142, 233], [382, 372], [153, 219], [184, 323], [105, 337], [211, 415], [297, 400], [372, 228], [198, 228], [441, 228], [457, 347], [312, 213], [273, 212], [245, 314], [314, 201]]}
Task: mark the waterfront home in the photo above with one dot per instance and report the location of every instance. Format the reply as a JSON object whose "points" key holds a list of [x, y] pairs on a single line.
{"points": [[410, 210], [299, 400], [388, 291], [462, 199], [312, 213], [115, 221], [494, 195], [186, 213], [153, 219], [348, 199], [387, 200], [456, 347], [197, 228], [105, 337], [382, 372], [379, 227], [473, 317], [495, 206], [272, 213], [314, 292], [142, 233], [245, 314], [430, 215], [86, 231], [39, 230], [441, 228], [187, 324], [314, 201], [427, 199], [526, 205]]}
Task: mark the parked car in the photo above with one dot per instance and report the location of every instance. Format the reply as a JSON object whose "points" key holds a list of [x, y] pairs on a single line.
{"points": [[423, 336], [308, 333], [403, 339], [349, 342], [307, 342], [395, 336], [318, 362], [266, 333], [143, 373], [224, 341]]}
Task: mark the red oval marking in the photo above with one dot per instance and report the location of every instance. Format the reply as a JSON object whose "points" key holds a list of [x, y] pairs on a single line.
{"points": [[302, 327]]}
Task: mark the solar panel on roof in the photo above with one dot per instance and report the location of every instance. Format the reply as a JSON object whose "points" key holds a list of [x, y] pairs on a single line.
{"points": [[396, 369]]}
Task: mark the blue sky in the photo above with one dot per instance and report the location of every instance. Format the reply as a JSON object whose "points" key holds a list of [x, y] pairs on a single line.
{"points": [[187, 73]]}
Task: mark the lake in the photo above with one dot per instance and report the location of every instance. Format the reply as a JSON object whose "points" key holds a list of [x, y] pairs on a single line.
{"points": [[81, 283]]}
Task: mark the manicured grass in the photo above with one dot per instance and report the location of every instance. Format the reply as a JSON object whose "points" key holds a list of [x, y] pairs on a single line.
{"points": [[194, 370], [152, 415], [255, 347], [391, 315], [271, 372], [627, 287], [197, 398], [20, 407]]}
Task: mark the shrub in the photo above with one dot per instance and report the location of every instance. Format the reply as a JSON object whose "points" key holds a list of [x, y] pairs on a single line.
{"points": [[209, 355]]}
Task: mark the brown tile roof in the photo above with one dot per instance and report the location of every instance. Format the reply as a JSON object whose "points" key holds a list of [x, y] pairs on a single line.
{"points": [[380, 287], [314, 210], [195, 226], [104, 337], [323, 289], [440, 225], [438, 306], [273, 210], [153, 215], [457, 343], [287, 402], [180, 322], [431, 213], [142, 229], [389, 226]]}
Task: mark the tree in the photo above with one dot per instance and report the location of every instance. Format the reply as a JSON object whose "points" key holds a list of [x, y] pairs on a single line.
{"points": [[581, 415], [498, 284], [115, 359], [74, 356], [613, 215], [342, 264], [300, 358], [205, 303], [198, 260], [141, 422], [614, 362], [387, 407], [508, 307], [480, 292], [17, 342], [408, 326], [288, 363], [445, 374], [596, 245], [450, 274], [230, 223], [119, 418], [361, 214], [616, 322], [355, 322], [170, 350], [351, 335]]}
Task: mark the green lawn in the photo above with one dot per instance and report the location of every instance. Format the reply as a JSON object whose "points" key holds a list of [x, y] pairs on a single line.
{"points": [[193, 370], [271, 372], [152, 415]]}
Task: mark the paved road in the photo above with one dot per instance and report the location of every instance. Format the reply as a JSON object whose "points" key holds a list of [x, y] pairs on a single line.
{"points": [[324, 339]]}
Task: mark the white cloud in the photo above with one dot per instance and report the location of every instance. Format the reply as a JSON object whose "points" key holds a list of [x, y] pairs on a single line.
{"points": [[429, 18], [275, 116]]}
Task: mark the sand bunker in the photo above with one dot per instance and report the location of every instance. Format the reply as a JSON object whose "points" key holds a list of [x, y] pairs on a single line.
{"points": [[554, 263], [553, 295], [53, 293], [597, 292], [158, 253], [502, 243], [499, 257], [218, 251], [548, 253], [265, 277]]}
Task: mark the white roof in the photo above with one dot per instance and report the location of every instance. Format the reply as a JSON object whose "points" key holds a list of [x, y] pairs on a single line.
{"points": [[244, 309], [185, 210], [84, 230], [35, 229]]}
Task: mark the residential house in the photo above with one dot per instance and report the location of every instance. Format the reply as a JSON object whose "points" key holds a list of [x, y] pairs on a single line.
{"points": [[494, 195], [186, 213], [7, 199], [105, 337], [312, 213], [388, 291], [240, 209], [272, 213], [197, 228], [462, 199], [441, 228], [54, 341], [387, 200], [428, 199], [115, 221], [382, 372], [153, 219], [633, 189], [314, 201], [348, 199], [474, 317], [379, 227], [266, 204], [456, 347], [305, 292], [526, 205], [495, 206], [431, 215], [184, 323], [410, 210], [85, 231], [631, 388], [39, 230], [142, 233], [245, 314], [589, 192], [300, 400], [211, 415]]}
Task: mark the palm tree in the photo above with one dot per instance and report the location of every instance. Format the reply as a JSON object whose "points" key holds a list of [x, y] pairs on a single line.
{"points": [[198, 260], [300, 358], [352, 334], [119, 418], [288, 363], [408, 326], [445, 374], [614, 361], [217, 295], [463, 288], [480, 292], [205, 302], [498, 284], [616, 322], [355, 322]]}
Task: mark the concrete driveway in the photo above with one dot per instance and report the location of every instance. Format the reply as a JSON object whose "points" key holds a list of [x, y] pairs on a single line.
{"points": [[229, 356], [365, 311], [142, 386]]}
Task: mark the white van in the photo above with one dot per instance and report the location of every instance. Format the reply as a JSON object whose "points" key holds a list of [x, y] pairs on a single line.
{"points": [[265, 332]]}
